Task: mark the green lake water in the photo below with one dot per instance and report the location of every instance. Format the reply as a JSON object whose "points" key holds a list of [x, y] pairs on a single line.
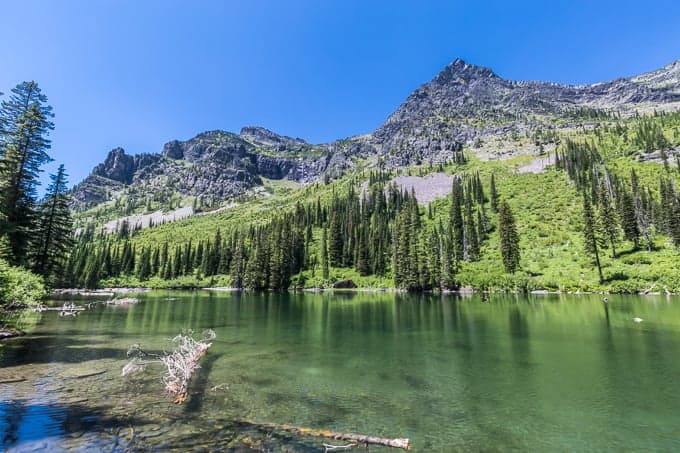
{"points": [[541, 373]]}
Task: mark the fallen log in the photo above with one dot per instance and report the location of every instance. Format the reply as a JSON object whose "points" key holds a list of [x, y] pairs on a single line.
{"points": [[83, 376], [123, 301], [60, 309], [402, 443]]}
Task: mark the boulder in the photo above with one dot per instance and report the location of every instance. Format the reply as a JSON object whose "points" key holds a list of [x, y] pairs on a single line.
{"points": [[344, 284]]}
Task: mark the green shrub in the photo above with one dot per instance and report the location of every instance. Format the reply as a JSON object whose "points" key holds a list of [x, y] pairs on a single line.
{"points": [[19, 286]]}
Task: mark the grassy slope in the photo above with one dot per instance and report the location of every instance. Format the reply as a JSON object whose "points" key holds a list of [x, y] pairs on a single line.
{"points": [[548, 213]]}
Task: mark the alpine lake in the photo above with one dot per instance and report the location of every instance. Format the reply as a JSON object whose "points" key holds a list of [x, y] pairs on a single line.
{"points": [[449, 372]]}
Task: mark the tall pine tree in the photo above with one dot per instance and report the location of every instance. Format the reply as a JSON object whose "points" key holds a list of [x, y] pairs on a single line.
{"points": [[509, 238], [24, 126], [54, 226], [591, 238]]}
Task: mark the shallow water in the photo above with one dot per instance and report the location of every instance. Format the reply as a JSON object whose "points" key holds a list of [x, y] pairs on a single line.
{"points": [[545, 373]]}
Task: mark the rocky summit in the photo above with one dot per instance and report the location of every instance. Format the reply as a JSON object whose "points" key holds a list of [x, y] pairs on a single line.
{"points": [[464, 107]]}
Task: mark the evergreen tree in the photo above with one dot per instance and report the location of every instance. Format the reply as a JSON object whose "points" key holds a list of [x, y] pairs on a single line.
{"points": [[471, 237], [456, 221], [591, 238], [493, 194], [509, 238], [163, 262], [238, 263], [608, 218], [177, 265], [336, 242], [363, 265], [324, 256], [91, 271], [54, 227], [24, 126], [629, 220], [155, 261], [143, 270]]}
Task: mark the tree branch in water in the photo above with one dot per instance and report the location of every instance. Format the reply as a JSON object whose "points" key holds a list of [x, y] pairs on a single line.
{"points": [[180, 364]]}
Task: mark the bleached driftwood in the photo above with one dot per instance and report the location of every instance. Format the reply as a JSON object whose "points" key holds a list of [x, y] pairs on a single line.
{"points": [[123, 301], [70, 309], [402, 443], [180, 364], [66, 307]]}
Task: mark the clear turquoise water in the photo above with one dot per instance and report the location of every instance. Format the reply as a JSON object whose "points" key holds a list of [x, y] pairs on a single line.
{"points": [[544, 373]]}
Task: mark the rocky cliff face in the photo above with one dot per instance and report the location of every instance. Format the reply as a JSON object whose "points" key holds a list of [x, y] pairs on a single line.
{"points": [[463, 105], [217, 165]]}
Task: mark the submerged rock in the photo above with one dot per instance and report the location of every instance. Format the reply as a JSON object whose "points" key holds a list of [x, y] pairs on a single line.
{"points": [[10, 333], [344, 284]]}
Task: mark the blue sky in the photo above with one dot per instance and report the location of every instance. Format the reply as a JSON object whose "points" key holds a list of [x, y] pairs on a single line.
{"points": [[138, 73]]}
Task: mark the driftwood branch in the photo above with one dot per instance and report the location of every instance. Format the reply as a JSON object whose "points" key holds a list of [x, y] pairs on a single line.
{"points": [[123, 301], [180, 364], [402, 443]]}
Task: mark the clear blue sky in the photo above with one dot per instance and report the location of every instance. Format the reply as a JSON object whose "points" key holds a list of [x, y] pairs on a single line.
{"points": [[138, 73]]}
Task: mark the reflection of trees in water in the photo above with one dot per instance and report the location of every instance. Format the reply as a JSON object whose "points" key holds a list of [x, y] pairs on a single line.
{"points": [[24, 320], [66, 348]]}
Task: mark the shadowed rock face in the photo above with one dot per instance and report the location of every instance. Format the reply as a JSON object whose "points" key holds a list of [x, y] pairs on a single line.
{"points": [[216, 164], [462, 105]]}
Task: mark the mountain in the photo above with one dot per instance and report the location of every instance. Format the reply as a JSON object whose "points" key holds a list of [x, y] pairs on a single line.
{"points": [[465, 102], [216, 165], [464, 106]]}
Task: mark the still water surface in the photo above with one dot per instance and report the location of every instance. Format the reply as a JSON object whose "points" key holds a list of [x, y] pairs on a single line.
{"points": [[545, 373]]}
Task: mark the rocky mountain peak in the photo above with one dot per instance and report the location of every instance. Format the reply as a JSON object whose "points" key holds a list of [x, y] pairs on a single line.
{"points": [[121, 167], [117, 166], [460, 71]]}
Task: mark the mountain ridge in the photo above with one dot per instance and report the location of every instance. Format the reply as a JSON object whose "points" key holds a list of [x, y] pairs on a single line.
{"points": [[463, 106]]}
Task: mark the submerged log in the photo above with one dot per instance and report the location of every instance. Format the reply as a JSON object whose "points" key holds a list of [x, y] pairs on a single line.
{"points": [[402, 443]]}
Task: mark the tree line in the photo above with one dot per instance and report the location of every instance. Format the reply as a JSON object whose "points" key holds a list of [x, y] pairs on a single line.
{"points": [[377, 229]]}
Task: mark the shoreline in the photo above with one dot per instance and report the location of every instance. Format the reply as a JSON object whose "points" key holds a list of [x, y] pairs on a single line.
{"points": [[110, 292]]}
